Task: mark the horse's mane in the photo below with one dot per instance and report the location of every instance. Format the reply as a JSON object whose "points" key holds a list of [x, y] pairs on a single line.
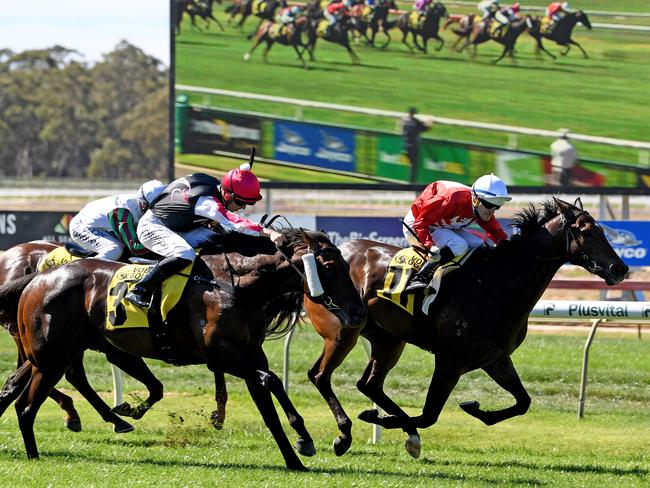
{"points": [[531, 219]]}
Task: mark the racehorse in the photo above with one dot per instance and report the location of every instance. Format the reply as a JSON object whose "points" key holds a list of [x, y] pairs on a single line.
{"points": [[264, 9], [377, 20], [337, 33], [464, 29], [477, 320], [23, 259], [61, 313], [508, 38], [561, 34], [289, 35], [199, 8], [428, 29]]}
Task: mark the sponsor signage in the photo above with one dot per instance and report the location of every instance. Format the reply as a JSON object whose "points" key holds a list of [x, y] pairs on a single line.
{"points": [[630, 239], [569, 309], [345, 229], [19, 227], [315, 145], [212, 130]]}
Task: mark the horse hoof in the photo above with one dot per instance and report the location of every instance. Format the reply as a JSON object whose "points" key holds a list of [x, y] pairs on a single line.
{"points": [[305, 448], [247, 57], [341, 445], [369, 416], [296, 466], [139, 411], [413, 446], [121, 427], [470, 407], [73, 424], [216, 420], [123, 410]]}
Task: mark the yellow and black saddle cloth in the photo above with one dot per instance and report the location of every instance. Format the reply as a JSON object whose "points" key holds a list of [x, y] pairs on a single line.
{"points": [[57, 257], [494, 28], [258, 7], [277, 30], [416, 20], [366, 13], [322, 28], [545, 24], [401, 268], [122, 314]]}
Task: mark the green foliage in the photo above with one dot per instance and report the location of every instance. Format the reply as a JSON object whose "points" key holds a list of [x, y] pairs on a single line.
{"points": [[63, 117], [173, 445]]}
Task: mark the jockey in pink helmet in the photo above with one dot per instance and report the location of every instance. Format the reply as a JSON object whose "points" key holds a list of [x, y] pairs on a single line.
{"points": [[189, 212]]}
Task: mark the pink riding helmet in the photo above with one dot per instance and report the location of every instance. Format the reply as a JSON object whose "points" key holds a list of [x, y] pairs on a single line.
{"points": [[243, 184]]}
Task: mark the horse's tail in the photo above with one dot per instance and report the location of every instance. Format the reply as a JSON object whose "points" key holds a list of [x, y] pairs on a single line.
{"points": [[388, 25], [448, 22], [233, 7], [285, 311], [9, 296]]}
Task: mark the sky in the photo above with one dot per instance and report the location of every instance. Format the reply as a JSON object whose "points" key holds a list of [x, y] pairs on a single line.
{"points": [[92, 27]]}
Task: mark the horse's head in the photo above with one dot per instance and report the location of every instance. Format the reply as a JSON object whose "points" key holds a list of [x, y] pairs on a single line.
{"points": [[587, 245], [439, 10], [326, 275], [581, 17]]}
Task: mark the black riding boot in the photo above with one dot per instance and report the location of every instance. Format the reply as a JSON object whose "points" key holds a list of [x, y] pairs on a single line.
{"points": [[421, 278], [142, 292]]}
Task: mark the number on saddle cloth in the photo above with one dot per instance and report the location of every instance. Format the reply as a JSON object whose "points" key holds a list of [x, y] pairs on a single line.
{"points": [[399, 271], [56, 257], [123, 314]]}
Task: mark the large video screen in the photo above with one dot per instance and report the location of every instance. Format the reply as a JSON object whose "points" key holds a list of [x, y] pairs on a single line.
{"points": [[323, 92]]}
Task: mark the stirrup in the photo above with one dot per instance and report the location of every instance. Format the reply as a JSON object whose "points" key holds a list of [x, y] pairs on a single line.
{"points": [[416, 285], [138, 300]]}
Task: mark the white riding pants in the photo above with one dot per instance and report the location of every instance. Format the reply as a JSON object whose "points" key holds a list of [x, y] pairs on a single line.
{"points": [[94, 239], [458, 240]]}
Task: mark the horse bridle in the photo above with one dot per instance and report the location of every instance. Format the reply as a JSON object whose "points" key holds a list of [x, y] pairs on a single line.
{"points": [[325, 298]]}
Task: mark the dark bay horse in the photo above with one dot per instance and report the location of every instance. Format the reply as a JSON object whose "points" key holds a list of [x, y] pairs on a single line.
{"points": [[507, 39], [428, 29], [196, 8], [477, 321], [23, 259], [561, 34], [376, 21], [289, 35], [263, 9], [337, 34], [61, 313]]}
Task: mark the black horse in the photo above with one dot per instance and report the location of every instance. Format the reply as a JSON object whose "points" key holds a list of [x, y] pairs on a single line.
{"points": [[61, 313], [263, 9], [427, 30], [287, 35], [507, 37], [561, 33], [477, 321], [375, 20], [337, 33]]}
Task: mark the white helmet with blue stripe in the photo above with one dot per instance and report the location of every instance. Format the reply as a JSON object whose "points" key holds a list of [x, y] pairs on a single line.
{"points": [[491, 189]]}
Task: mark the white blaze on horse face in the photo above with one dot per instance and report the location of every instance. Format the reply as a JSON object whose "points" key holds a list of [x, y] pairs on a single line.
{"points": [[311, 275]]}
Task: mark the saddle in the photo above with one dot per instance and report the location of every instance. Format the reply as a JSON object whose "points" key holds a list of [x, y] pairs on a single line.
{"points": [[57, 257], [416, 20], [258, 6], [323, 27], [277, 30]]}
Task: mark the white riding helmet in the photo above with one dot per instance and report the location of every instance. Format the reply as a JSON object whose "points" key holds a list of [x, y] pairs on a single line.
{"points": [[491, 189], [150, 190]]}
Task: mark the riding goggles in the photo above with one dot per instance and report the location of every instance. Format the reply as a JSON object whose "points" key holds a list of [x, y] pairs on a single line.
{"points": [[489, 205]]}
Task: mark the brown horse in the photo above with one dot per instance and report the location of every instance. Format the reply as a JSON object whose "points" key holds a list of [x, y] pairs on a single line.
{"points": [[337, 34], [508, 38], [477, 321], [24, 259], [375, 19], [561, 34], [288, 35], [61, 313]]}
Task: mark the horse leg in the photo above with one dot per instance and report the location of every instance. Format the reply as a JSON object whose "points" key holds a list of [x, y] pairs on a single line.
{"points": [[441, 42], [584, 53], [264, 403], [248, 55], [135, 367], [305, 444], [353, 55], [29, 402], [217, 21], [218, 416], [14, 385], [566, 51], [335, 350], [505, 51], [404, 35], [541, 46], [302, 60], [250, 36], [504, 374]]}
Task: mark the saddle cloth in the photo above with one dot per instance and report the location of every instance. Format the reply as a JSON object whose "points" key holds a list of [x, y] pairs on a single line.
{"points": [[258, 6], [416, 20], [121, 314], [57, 257], [401, 267], [322, 27]]}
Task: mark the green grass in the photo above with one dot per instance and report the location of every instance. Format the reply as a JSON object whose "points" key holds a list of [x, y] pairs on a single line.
{"points": [[174, 446], [605, 95]]}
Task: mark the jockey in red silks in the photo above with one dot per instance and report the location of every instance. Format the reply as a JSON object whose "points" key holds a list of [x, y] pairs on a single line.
{"points": [[335, 12], [184, 217], [108, 226], [505, 16], [440, 214]]}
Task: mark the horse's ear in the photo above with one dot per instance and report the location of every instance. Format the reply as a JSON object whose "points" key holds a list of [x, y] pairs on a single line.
{"points": [[562, 205], [578, 203], [309, 240]]}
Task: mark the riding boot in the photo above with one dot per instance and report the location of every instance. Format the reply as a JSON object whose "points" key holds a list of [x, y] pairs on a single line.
{"points": [[143, 291], [422, 278]]}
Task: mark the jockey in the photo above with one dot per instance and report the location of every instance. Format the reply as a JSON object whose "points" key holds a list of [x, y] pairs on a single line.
{"points": [[200, 206], [288, 15], [108, 226], [505, 16], [335, 12], [487, 8], [421, 6], [439, 215], [555, 12]]}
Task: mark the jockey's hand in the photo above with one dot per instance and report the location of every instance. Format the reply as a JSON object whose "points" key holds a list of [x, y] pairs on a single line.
{"points": [[275, 237], [434, 254]]}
